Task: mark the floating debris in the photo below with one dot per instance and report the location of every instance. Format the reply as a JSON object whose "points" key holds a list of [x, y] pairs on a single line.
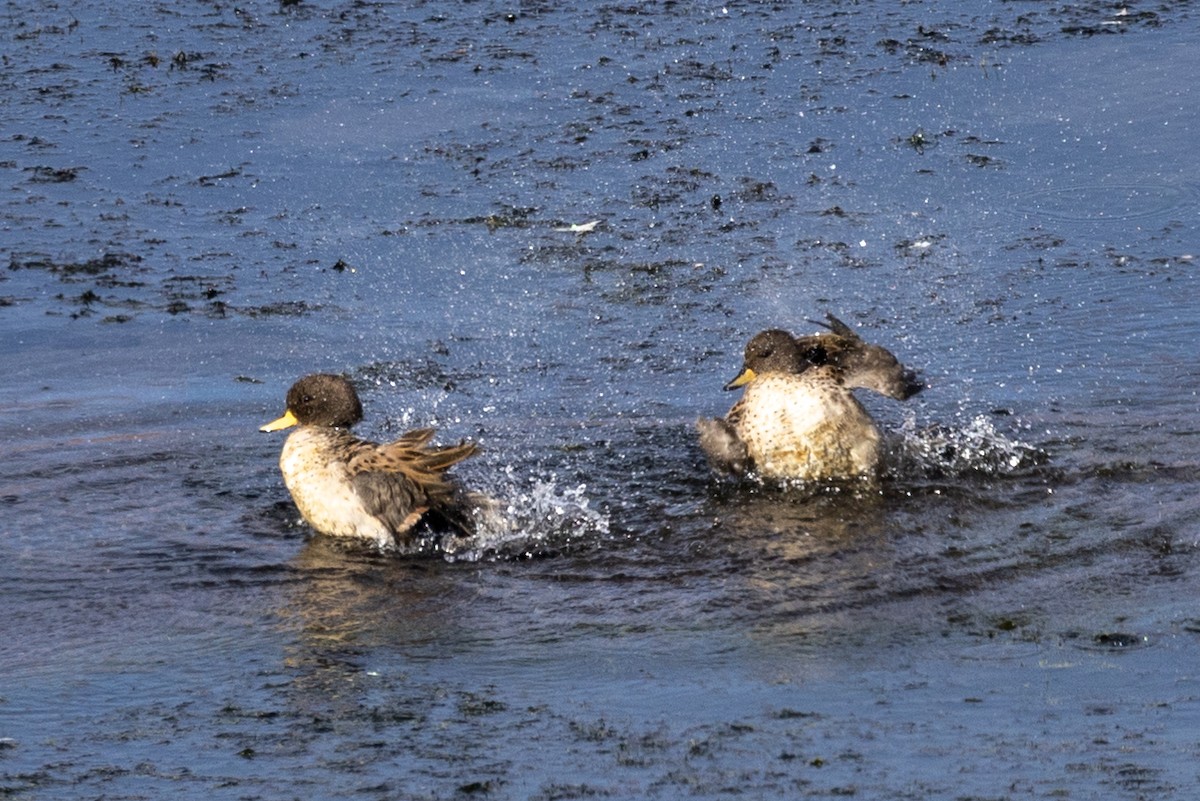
{"points": [[578, 228]]}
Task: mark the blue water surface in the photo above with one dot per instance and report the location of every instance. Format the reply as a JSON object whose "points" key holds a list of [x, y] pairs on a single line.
{"points": [[206, 201]]}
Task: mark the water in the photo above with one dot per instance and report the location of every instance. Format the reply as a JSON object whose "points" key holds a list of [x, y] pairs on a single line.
{"points": [[205, 202]]}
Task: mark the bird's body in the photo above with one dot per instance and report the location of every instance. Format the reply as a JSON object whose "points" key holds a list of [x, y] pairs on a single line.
{"points": [[802, 426], [797, 417], [382, 493]]}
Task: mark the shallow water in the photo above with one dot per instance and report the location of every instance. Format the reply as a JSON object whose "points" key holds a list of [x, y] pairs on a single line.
{"points": [[206, 202]]}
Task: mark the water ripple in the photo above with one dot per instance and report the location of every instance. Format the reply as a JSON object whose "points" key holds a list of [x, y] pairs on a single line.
{"points": [[1103, 203]]}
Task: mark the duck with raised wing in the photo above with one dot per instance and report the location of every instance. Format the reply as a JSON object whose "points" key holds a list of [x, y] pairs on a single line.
{"points": [[797, 417], [387, 494]]}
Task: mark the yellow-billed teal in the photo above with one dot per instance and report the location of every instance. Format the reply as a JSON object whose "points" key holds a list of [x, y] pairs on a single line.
{"points": [[797, 417], [344, 486]]}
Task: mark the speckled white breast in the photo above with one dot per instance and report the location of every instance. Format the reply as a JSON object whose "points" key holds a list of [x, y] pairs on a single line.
{"points": [[807, 427], [321, 488]]}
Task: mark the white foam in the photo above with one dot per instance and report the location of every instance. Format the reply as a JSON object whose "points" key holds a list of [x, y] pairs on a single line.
{"points": [[976, 446], [537, 518]]}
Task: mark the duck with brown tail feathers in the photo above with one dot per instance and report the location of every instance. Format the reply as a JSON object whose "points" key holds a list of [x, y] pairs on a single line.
{"points": [[387, 494]]}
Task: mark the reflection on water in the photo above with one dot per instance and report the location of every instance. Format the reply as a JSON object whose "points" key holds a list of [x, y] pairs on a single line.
{"points": [[352, 599]]}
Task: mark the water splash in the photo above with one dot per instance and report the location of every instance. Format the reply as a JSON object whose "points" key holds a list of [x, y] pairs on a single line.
{"points": [[942, 450], [539, 518]]}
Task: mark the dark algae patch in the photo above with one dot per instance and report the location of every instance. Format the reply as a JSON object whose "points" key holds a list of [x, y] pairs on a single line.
{"points": [[110, 266]]}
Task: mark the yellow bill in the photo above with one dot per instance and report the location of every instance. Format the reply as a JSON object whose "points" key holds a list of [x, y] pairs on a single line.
{"points": [[743, 378], [287, 421]]}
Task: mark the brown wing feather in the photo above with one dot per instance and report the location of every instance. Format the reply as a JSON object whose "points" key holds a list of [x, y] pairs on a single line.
{"points": [[415, 438], [411, 458], [401, 482], [440, 459]]}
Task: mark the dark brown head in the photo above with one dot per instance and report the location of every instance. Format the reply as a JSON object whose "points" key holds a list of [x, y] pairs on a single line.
{"points": [[772, 351], [320, 399]]}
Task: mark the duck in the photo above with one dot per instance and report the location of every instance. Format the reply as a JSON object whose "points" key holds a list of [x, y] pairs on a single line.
{"points": [[798, 418], [387, 494]]}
